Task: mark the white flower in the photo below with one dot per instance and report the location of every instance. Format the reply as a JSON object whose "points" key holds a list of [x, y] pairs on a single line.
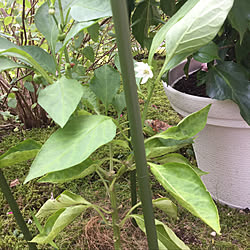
{"points": [[213, 234], [143, 71]]}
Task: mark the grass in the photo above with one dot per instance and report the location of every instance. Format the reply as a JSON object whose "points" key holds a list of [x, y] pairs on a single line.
{"points": [[88, 230]]}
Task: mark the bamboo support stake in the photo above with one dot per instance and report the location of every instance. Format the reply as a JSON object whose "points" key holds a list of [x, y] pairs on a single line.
{"points": [[120, 17]]}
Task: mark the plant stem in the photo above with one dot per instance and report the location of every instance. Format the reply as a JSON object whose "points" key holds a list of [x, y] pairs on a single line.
{"points": [[145, 110], [115, 216], [120, 16], [61, 12], [15, 209]]}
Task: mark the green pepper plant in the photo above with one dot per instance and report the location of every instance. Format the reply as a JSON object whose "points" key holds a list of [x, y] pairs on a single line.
{"points": [[67, 154]]}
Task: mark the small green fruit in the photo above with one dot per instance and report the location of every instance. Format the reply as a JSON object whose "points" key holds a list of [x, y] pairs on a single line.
{"points": [[52, 10], [61, 37], [37, 78]]}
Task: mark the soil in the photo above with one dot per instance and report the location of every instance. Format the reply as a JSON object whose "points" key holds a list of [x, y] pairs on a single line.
{"points": [[189, 86]]}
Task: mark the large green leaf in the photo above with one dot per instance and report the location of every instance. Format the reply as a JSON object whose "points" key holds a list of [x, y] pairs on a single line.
{"points": [[44, 59], [239, 16], [57, 222], [160, 35], [61, 99], [64, 200], [145, 15], [166, 237], [47, 26], [197, 28], [6, 64], [10, 49], [21, 152], [64, 209], [183, 183], [79, 171], [186, 128], [85, 10], [72, 144], [229, 80], [105, 84]]}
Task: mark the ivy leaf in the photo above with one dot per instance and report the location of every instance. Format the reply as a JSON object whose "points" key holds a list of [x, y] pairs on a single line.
{"points": [[239, 17], [229, 80]]}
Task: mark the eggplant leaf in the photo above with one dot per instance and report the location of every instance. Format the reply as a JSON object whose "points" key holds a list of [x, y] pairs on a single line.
{"points": [[229, 80]]}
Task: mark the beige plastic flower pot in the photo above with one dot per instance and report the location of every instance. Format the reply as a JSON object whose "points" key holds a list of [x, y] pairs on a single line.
{"points": [[222, 148]]}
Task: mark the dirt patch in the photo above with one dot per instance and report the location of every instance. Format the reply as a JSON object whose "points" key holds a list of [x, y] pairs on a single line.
{"points": [[189, 86]]}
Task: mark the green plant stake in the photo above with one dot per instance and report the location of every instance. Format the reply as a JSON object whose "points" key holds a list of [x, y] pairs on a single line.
{"points": [[120, 17], [21, 152], [15, 209]]}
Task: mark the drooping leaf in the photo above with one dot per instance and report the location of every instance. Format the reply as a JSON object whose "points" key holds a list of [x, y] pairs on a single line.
{"points": [[72, 144], [85, 10], [186, 128], [10, 49], [239, 16], [229, 80], [21, 152], [145, 15], [167, 206], [105, 84], [47, 26], [79, 171], [207, 53], [160, 35], [64, 209], [197, 28], [57, 222], [119, 103], [64, 200], [61, 99], [44, 59], [6, 64], [182, 182], [166, 237]]}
